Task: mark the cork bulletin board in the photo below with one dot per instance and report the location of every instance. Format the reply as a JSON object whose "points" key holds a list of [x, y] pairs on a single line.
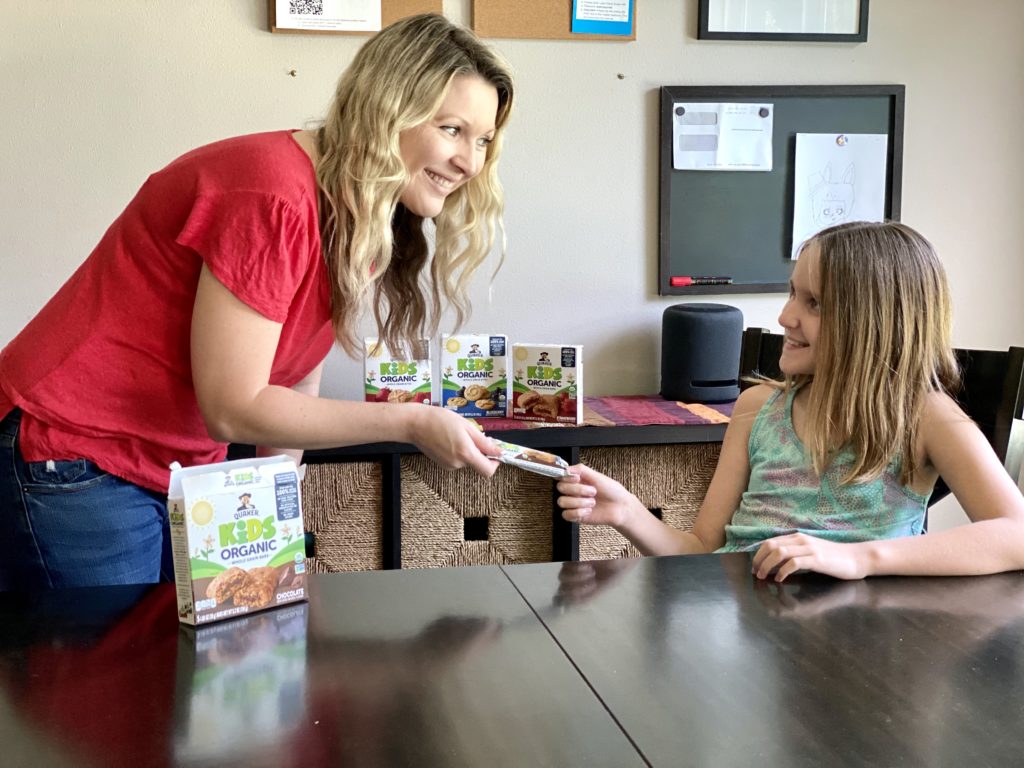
{"points": [[537, 19], [390, 12]]}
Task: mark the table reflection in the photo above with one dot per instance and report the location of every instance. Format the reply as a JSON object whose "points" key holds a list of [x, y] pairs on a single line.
{"points": [[88, 675], [241, 686], [706, 665], [378, 669]]}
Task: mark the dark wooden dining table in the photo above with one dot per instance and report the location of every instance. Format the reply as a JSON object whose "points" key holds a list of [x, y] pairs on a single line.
{"points": [[673, 661]]}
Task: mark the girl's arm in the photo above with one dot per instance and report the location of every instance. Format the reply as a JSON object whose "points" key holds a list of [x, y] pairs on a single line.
{"points": [[994, 540], [593, 498], [991, 543], [233, 349]]}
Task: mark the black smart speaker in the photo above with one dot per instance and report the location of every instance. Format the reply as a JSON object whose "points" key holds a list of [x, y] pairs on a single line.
{"points": [[700, 353]]}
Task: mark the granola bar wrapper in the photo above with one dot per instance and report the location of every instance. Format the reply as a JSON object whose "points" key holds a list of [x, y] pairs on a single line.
{"points": [[532, 460]]}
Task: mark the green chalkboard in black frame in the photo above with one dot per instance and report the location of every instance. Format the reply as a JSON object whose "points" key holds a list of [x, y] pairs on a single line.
{"points": [[739, 224]]}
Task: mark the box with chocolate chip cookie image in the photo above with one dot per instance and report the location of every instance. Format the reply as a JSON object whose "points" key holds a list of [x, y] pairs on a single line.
{"points": [[473, 380], [547, 383], [237, 537], [401, 376]]}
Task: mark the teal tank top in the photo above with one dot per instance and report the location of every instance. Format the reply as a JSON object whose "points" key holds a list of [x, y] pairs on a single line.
{"points": [[785, 495]]}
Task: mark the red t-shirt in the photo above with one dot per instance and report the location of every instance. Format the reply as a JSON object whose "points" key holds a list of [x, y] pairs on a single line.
{"points": [[103, 372]]}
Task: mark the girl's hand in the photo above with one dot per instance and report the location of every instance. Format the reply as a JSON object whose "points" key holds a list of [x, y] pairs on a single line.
{"points": [[589, 497], [803, 600], [785, 555], [451, 440], [579, 582]]}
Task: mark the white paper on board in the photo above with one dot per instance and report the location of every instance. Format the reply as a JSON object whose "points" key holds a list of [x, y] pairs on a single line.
{"points": [[837, 177], [722, 137]]}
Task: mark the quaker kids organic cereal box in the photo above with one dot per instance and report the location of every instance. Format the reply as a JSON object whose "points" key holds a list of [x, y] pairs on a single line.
{"points": [[237, 537], [547, 383], [401, 378], [473, 379]]}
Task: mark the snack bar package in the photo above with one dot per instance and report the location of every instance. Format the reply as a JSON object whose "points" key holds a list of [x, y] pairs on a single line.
{"points": [[237, 537], [473, 374], [397, 378], [532, 460], [547, 383]]}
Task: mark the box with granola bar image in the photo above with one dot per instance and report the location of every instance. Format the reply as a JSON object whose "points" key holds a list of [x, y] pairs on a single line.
{"points": [[547, 383], [401, 376], [237, 537], [473, 379]]}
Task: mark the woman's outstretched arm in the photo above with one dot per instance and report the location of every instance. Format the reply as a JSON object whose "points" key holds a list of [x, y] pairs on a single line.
{"points": [[233, 348]]}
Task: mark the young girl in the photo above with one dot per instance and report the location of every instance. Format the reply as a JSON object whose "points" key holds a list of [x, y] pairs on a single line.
{"points": [[204, 314], [831, 469]]}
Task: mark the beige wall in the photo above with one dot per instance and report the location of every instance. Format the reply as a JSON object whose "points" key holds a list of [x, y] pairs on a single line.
{"points": [[97, 94]]}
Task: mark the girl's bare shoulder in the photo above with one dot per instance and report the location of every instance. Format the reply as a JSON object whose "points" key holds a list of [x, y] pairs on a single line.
{"points": [[748, 405], [939, 405], [942, 418], [751, 400]]}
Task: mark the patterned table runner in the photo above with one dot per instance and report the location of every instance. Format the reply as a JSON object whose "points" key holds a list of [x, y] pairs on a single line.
{"points": [[630, 411]]}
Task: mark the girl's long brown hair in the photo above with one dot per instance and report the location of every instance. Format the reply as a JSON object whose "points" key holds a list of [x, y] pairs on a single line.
{"points": [[884, 345]]}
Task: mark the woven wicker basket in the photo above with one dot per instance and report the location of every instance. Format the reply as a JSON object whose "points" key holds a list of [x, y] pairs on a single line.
{"points": [[672, 478], [342, 507], [435, 503]]}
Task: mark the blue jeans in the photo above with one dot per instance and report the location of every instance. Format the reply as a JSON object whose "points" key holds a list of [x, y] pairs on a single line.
{"points": [[68, 523]]}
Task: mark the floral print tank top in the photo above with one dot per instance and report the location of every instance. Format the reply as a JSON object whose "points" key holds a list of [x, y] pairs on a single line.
{"points": [[785, 495]]}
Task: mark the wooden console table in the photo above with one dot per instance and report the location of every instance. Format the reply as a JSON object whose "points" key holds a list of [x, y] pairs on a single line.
{"points": [[385, 506]]}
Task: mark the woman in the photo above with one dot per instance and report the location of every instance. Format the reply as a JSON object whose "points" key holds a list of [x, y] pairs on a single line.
{"points": [[205, 313]]}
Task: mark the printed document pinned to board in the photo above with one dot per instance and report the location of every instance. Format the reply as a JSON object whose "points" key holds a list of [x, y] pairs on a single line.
{"points": [[329, 15], [722, 137], [602, 17]]}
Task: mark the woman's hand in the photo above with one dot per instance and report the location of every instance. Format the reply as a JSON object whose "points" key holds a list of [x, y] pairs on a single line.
{"points": [[785, 555], [449, 439], [589, 497]]}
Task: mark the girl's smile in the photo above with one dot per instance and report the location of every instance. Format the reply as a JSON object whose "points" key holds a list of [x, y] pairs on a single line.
{"points": [[801, 316]]}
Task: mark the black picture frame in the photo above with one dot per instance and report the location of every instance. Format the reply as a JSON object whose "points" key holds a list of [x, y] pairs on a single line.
{"points": [[705, 10]]}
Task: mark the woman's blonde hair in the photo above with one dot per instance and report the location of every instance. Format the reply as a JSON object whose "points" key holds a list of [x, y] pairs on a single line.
{"points": [[397, 81], [883, 346]]}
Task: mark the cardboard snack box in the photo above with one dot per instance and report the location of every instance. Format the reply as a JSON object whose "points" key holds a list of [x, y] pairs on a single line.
{"points": [[473, 374], [237, 537], [547, 383], [397, 378]]}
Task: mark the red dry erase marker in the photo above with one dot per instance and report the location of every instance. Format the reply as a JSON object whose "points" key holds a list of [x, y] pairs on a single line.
{"points": [[681, 281]]}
